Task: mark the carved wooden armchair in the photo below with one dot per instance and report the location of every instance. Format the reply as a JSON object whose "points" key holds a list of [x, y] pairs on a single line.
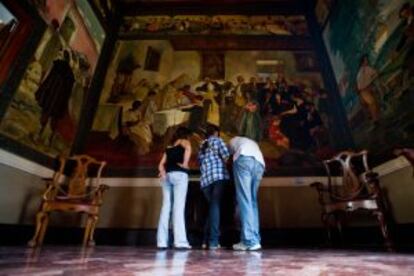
{"points": [[358, 189], [79, 192]]}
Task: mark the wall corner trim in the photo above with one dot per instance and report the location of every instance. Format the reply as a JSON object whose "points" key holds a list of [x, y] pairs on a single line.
{"points": [[18, 162]]}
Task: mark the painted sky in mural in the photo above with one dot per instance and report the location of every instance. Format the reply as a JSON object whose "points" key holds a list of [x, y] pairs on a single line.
{"points": [[273, 97], [371, 44], [46, 107]]}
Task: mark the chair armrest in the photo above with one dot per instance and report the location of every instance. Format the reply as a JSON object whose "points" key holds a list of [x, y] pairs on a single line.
{"points": [[98, 194], [321, 189]]}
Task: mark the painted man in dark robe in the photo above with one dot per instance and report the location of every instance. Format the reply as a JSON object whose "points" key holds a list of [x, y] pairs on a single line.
{"points": [[54, 93]]}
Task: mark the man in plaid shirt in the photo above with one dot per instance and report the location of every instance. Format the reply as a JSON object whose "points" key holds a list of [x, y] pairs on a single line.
{"points": [[212, 159]]}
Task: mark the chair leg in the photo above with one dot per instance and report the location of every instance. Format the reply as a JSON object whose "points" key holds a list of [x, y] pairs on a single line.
{"points": [[325, 221], [40, 229], [384, 230], [43, 229], [338, 223], [91, 241], [89, 231]]}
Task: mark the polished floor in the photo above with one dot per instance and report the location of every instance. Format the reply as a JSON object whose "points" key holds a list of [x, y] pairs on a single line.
{"points": [[147, 261]]}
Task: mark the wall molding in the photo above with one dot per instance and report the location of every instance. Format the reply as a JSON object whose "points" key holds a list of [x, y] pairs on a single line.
{"points": [[18, 162]]}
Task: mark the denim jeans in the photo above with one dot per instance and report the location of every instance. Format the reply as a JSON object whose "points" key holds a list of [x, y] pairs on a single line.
{"points": [[248, 173], [213, 193], [174, 192]]}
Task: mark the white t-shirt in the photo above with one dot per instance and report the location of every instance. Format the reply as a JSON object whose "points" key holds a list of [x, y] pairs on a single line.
{"points": [[247, 147]]}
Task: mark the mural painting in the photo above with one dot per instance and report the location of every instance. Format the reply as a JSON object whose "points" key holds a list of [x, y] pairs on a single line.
{"points": [[217, 24], [46, 107], [259, 94], [373, 65]]}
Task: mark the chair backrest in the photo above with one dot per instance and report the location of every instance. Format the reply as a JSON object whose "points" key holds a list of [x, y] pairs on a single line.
{"points": [[77, 169], [352, 167]]}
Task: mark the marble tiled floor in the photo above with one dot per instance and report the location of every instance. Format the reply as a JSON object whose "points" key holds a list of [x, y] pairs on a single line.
{"points": [[147, 261]]}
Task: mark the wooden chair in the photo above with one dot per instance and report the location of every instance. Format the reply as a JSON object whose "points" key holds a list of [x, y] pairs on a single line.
{"points": [[79, 192], [358, 190]]}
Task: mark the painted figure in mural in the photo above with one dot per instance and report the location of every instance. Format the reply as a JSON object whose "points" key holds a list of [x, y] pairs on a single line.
{"points": [[275, 133], [314, 124], [212, 90], [141, 89], [195, 120], [365, 78], [173, 171], [212, 158], [54, 93], [149, 107], [248, 169], [53, 45], [251, 122], [137, 129], [403, 54]]}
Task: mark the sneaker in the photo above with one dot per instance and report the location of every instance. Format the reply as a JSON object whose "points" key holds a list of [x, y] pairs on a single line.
{"points": [[240, 247], [183, 247], [255, 247], [214, 247]]}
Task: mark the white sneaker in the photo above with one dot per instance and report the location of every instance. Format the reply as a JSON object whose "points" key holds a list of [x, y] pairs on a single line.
{"points": [[255, 247], [240, 246], [183, 247]]}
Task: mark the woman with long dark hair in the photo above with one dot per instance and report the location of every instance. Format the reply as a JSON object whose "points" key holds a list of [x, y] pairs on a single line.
{"points": [[173, 171], [212, 159]]}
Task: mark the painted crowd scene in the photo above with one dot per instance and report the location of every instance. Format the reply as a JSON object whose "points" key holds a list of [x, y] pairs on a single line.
{"points": [[275, 98]]}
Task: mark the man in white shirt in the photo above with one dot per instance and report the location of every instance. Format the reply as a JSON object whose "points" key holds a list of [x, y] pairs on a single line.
{"points": [[248, 169]]}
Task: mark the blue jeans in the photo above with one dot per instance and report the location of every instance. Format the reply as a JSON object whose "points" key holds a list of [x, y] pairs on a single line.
{"points": [[248, 173], [174, 192], [213, 193]]}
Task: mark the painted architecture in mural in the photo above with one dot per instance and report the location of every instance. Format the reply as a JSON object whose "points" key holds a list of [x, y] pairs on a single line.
{"points": [[46, 108], [373, 65]]}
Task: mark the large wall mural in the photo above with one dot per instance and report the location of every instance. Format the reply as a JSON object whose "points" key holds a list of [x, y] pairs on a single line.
{"points": [[151, 88], [45, 109], [371, 46]]}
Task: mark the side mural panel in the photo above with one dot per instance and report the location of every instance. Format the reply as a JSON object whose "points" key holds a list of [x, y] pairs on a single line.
{"points": [[274, 97], [371, 46], [45, 110]]}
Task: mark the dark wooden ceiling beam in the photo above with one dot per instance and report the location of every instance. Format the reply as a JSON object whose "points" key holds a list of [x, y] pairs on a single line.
{"points": [[279, 7]]}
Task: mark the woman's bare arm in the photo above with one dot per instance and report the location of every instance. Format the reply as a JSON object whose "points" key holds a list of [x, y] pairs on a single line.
{"points": [[161, 166], [187, 153]]}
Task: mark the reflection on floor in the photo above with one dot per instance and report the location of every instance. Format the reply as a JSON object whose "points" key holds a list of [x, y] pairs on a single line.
{"points": [[146, 261]]}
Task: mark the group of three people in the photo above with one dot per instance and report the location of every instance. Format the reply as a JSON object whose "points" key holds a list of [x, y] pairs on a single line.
{"points": [[248, 169]]}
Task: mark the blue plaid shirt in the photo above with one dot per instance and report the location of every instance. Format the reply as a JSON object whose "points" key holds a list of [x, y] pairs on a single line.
{"points": [[212, 161]]}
